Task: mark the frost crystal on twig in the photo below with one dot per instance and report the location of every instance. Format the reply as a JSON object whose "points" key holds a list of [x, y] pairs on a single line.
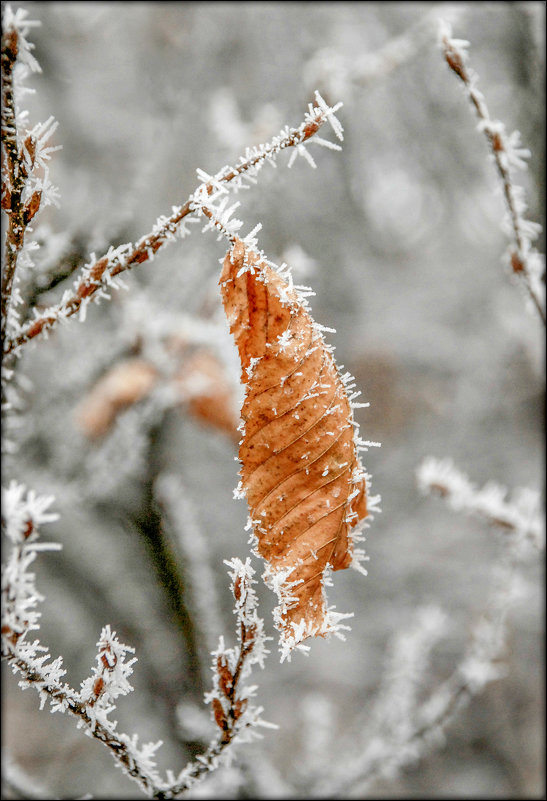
{"points": [[526, 264], [520, 514], [229, 701], [23, 513], [26, 186], [102, 274], [402, 728]]}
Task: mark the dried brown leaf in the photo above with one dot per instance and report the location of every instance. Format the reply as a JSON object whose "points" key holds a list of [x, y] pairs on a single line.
{"points": [[300, 469], [200, 384], [125, 384], [203, 383]]}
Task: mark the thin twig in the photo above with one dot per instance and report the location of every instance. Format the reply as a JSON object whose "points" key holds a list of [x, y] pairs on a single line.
{"points": [[481, 664], [505, 153], [115, 742], [24, 514], [15, 172], [100, 274], [519, 515], [123, 748]]}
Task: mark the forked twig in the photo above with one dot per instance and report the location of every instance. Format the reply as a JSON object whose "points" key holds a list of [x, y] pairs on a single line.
{"points": [[93, 703]]}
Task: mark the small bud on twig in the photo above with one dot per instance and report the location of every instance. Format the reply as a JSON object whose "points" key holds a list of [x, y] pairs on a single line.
{"points": [[455, 62], [11, 48], [516, 262], [239, 708], [30, 146], [32, 206], [225, 677], [220, 715]]}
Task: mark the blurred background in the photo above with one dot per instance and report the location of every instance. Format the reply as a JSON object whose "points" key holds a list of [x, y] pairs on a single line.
{"points": [[399, 236]]}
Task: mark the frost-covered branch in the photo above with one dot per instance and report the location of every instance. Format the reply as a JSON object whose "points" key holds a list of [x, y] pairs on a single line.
{"points": [[525, 263], [521, 514], [230, 700], [382, 741], [236, 718], [91, 713], [338, 72], [101, 275], [25, 181], [401, 728], [23, 514]]}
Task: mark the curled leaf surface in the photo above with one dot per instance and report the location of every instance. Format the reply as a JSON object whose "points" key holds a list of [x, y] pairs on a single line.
{"points": [[300, 469]]}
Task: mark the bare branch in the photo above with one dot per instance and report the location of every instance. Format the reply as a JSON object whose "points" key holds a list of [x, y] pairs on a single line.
{"points": [[23, 191], [520, 515], [338, 73], [405, 736], [93, 703], [101, 273], [508, 154]]}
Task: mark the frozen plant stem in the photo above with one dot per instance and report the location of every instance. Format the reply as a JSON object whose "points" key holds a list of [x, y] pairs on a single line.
{"points": [[387, 749], [505, 152], [15, 172], [25, 182], [519, 514], [230, 701], [118, 745], [97, 276], [96, 699]]}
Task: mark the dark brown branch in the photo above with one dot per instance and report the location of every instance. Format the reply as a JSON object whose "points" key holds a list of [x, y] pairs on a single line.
{"points": [[13, 182]]}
